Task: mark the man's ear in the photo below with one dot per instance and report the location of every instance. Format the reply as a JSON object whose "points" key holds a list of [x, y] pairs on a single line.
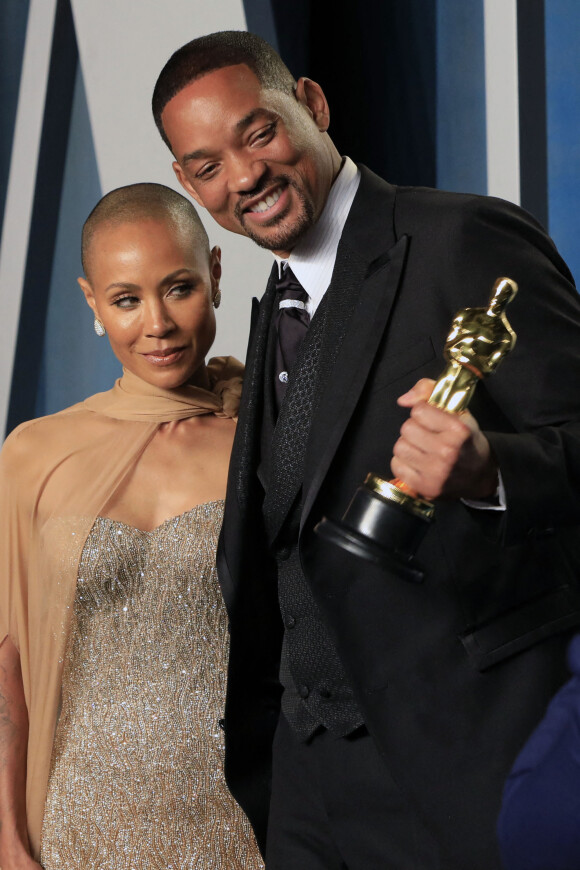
{"points": [[311, 96], [89, 295], [181, 177]]}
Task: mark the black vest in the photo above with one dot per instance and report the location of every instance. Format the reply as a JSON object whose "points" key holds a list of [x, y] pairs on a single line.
{"points": [[316, 689]]}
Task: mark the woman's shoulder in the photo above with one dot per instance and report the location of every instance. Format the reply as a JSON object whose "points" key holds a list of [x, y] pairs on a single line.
{"points": [[34, 438], [38, 426]]}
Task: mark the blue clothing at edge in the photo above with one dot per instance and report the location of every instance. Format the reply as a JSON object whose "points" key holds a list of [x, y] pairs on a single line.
{"points": [[539, 824]]}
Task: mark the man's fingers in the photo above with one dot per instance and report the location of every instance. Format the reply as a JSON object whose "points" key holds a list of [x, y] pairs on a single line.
{"points": [[419, 393]]}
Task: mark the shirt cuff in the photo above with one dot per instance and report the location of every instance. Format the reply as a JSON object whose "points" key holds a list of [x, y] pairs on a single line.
{"points": [[497, 502]]}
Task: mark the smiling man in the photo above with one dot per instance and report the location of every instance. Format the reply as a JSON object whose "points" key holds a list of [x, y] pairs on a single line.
{"points": [[370, 721], [269, 176]]}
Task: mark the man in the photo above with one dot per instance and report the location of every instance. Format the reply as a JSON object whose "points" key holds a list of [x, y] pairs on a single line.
{"points": [[402, 704]]}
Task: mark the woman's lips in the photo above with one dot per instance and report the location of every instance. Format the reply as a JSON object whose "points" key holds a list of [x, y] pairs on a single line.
{"points": [[164, 357]]}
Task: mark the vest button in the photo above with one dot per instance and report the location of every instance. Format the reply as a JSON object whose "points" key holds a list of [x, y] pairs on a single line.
{"points": [[303, 691], [284, 553], [290, 622]]}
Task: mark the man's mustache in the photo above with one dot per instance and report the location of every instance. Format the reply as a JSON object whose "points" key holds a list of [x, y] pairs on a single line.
{"points": [[261, 186]]}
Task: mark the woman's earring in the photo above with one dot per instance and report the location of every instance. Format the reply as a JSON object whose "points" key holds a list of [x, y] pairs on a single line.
{"points": [[217, 299], [99, 328]]}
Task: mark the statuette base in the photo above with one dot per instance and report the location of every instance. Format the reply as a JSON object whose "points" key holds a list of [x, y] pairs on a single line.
{"points": [[382, 529]]}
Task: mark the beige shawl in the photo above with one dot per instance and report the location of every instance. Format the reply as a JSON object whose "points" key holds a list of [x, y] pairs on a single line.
{"points": [[56, 475]]}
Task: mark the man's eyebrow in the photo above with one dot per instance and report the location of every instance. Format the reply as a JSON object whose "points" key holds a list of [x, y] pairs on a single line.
{"points": [[195, 155], [248, 119]]}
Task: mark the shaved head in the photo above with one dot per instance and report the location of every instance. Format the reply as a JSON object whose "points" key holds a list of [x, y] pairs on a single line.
{"points": [[137, 202]]}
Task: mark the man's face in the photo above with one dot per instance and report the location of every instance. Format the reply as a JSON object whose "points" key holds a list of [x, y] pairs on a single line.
{"points": [[259, 160]]}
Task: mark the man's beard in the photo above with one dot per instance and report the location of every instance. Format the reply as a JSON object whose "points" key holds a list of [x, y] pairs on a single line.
{"points": [[287, 236]]}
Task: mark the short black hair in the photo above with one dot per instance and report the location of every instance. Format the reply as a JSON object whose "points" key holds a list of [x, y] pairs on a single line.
{"points": [[216, 51], [137, 202]]}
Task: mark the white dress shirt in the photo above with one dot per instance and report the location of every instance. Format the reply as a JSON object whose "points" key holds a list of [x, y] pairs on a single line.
{"points": [[313, 258]]}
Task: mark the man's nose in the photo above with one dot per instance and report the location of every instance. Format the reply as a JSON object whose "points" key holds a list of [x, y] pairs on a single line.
{"points": [[245, 173]]}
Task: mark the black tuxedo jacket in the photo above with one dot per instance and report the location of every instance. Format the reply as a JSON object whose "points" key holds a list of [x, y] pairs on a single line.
{"points": [[450, 674]]}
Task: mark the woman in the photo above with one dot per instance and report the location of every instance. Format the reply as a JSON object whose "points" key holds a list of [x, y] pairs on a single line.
{"points": [[539, 824], [111, 622]]}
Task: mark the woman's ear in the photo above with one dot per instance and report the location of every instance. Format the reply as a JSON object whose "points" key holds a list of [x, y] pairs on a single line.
{"points": [[215, 268], [89, 295]]}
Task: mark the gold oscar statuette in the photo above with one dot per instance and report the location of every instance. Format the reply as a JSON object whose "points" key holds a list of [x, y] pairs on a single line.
{"points": [[386, 520]]}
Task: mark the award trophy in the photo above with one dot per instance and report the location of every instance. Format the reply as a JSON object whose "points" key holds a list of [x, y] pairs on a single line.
{"points": [[386, 520]]}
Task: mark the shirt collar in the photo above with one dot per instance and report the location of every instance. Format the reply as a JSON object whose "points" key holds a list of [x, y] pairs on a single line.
{"points": [[313, 258]]}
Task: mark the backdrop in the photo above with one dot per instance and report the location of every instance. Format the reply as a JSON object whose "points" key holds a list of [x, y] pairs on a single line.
{"points": [[473, 95]]}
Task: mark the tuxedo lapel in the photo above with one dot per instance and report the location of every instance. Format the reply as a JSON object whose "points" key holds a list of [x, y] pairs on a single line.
{"points": [[358, 303], [375, 294], [269, 411], [245, 453]]}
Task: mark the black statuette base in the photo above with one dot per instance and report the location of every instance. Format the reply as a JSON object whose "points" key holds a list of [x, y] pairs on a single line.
{"points": [[380, 531]]}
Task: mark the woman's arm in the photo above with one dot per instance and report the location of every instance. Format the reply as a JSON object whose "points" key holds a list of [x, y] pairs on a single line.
{"points": [[14, 848]]}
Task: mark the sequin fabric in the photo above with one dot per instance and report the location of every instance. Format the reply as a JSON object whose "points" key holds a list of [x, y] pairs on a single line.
{"points": [[136, 778]]}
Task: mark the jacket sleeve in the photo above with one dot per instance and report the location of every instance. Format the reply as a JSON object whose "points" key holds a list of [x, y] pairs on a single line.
{"points": [[535, 391]]}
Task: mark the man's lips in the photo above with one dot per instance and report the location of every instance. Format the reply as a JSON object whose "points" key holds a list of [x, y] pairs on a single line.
{"points": [[266, 201], [163, 357], [267, 205]]}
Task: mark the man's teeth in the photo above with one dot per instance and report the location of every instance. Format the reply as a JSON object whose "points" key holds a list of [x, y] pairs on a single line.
{"points": [[267, 203]]}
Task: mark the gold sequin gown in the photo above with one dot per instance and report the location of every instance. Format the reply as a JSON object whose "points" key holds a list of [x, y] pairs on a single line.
{"points": [[136, 778]]}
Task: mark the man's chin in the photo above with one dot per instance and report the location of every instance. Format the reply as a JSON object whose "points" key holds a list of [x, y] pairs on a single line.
{"points": [[276, 238]]}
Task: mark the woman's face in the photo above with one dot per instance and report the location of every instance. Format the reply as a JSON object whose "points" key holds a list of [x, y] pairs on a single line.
{"points": [[152, 286]]}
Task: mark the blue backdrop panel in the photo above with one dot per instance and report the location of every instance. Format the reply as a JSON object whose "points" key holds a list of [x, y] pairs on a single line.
{"points": [[563, 114], [44, 220], [532, 108], [461, 150], [75, 363], [260, 19], [13, 18]]}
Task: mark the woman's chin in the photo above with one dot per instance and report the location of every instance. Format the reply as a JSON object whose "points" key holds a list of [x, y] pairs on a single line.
{"points": [[171, 377]]}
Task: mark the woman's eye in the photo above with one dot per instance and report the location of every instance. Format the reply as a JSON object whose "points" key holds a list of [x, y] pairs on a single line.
{"points": [[181, 289], [126, 302]]}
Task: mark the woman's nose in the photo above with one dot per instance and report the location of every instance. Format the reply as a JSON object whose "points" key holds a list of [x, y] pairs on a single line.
{"points": [[158, 321]]}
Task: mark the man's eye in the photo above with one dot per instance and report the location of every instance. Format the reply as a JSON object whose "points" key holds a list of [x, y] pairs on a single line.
{"points": [[265, 134], [207, 171]]}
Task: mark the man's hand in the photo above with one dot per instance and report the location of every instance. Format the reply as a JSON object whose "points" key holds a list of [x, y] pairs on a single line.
{"points": [[439, 454]]}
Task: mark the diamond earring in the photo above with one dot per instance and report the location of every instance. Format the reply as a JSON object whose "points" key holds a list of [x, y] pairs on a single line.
{"points": [[99, 328], [217, 299]]}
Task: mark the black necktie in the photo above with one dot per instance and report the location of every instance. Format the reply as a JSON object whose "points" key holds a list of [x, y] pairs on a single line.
{"points": [[292, 322]]}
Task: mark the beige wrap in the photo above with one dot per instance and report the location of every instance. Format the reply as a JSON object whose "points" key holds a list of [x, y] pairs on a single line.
{"points": [[56, 475]]}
